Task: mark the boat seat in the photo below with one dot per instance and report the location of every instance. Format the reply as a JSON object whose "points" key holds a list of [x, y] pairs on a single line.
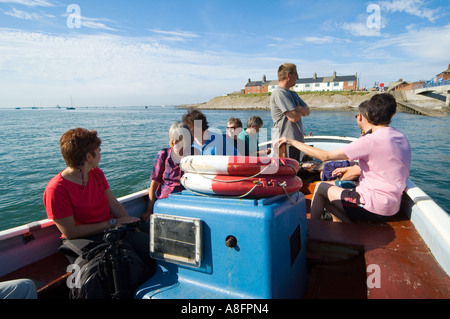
{"points": [[49, 274], [407, 269]]}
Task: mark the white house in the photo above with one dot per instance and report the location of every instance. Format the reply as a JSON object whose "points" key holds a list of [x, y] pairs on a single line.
{"points": [[328, 83]]}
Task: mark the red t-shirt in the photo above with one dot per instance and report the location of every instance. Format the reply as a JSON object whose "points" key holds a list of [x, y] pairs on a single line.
{"points": [[87, 205]]}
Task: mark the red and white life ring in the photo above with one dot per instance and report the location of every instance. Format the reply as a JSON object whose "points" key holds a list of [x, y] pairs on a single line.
{"points": [[241, 186], [239, 165]]}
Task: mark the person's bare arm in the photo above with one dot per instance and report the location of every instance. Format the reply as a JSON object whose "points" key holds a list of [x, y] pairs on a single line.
{"points": [[151, 199], [295, 115], [71, 230], [350, 173], [324, 156]]}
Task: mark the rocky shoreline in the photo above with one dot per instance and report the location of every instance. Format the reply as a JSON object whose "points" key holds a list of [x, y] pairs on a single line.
{"points": [[320, 101], [262, 102]]}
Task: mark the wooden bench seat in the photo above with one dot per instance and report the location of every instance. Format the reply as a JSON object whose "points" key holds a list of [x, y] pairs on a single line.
{"points": [[407, 269]]}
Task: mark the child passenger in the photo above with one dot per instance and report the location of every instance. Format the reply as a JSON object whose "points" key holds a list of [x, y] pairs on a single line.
{"points": [[166, 174], [250, 137], [234, 128]]}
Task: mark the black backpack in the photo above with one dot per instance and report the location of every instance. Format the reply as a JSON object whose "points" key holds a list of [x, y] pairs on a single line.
{"points": [[106, 270]]}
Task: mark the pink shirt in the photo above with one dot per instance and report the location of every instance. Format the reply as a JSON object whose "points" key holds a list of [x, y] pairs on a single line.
{"points": [[385, 159], [87, 205]]}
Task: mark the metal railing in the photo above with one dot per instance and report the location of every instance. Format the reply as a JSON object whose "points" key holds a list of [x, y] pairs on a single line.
{"points": [[430, 84]]}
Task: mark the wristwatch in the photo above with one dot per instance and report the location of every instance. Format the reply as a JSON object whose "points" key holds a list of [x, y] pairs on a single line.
{"points": [[112, 222]]}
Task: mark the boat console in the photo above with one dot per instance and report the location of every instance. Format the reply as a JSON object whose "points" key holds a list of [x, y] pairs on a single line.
{"points": [[217, 247]]}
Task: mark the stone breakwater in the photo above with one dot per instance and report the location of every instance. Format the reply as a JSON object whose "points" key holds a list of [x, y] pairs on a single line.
{"points": [[262, 102]]}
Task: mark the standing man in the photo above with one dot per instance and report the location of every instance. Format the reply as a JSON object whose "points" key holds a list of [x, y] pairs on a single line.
{"points": [[287, 108]]}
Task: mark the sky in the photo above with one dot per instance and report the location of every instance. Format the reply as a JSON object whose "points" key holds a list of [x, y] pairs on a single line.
{"points": [[136, 52]]}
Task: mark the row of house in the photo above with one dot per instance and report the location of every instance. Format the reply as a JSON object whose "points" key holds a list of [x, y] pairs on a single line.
{"points": [[401, 85], [327, 83]]}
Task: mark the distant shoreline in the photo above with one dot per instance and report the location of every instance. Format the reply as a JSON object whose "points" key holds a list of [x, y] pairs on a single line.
{"points": [[317, 101]]}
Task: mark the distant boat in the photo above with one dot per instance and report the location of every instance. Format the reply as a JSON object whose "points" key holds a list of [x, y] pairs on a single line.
{"points": [[71, 105]]}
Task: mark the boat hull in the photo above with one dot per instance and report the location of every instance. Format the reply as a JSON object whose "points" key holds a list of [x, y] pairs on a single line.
{"points": [[414, 251]]}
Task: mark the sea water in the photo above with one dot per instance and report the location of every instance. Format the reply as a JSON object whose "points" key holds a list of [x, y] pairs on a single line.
{"points": [[132, 136]]}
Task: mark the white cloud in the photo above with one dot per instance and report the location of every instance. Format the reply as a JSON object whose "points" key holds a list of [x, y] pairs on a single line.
{"points": [[109, 68], [361, 29], [30, 3], [428, 43], [94, 23], [324, 40], [175, 34], [26, 15], [413, 7], [413, 55]]}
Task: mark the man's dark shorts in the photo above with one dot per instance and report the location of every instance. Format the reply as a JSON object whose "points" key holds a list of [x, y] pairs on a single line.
{"points": [[350, 200]]}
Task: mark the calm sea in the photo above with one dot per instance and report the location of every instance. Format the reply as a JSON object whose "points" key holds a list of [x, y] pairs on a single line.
{"points": [[132, 136]]}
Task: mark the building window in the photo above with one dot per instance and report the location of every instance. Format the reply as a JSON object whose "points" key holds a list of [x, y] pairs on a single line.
{"points": [[336, 84], [306, 85], [350, 83], [317, 85]]}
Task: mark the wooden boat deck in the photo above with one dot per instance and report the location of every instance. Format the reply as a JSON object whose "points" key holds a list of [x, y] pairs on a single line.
{"points": [[340, 253], [49, 275]]}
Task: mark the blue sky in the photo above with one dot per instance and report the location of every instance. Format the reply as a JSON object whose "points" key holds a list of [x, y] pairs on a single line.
{"points": [[135, 52]]}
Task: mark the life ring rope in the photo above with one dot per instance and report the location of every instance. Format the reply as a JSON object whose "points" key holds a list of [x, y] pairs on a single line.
{"points": [[233, 181], [282, 185], [241, 196]]}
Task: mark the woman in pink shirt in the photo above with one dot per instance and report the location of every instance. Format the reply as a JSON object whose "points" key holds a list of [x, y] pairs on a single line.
{"points": [[384, 158]]}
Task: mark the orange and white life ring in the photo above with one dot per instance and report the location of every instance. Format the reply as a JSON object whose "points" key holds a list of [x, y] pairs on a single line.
{"points": [[241, 186], [239, 165]]}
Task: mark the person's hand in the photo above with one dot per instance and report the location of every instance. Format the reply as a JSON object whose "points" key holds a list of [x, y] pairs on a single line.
{"points": [[279, 147], [339, 171], [146, 215], [127, 220], [281, 141]]}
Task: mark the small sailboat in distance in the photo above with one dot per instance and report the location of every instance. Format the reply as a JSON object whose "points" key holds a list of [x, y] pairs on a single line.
{"points": [[71, 105]]}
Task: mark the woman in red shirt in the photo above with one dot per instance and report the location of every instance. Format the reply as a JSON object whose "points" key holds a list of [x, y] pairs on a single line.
{"points": [[79, 199]]}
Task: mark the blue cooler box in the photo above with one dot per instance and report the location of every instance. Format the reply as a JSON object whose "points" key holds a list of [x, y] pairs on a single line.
{"points": [[216, 247]]}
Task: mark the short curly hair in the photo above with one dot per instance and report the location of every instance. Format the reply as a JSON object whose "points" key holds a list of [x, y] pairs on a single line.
{"points": [[76, 144], [195, 115]]}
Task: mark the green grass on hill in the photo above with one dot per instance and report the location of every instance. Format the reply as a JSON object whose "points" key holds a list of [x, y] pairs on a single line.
{"points": [[316, 93]]}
